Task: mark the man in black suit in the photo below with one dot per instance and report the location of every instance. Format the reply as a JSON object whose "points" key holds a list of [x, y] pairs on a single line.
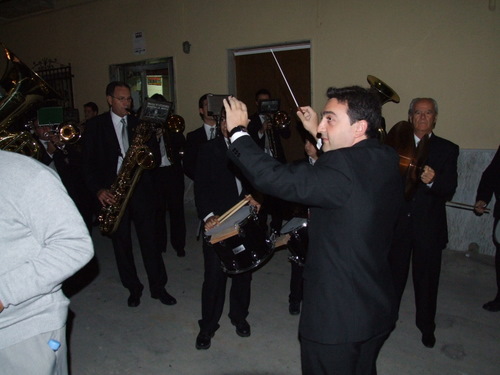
{"points": [[489, 186], [349, 307], [169, 181], [421, 233], [218, 186], [197, 137], [106, 141]]}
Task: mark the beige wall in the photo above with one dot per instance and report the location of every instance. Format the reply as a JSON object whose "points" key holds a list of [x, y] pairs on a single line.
{"points": [[447, 49]]}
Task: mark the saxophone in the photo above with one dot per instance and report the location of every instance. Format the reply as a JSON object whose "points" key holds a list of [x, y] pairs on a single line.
{"points": [[138, 158]]}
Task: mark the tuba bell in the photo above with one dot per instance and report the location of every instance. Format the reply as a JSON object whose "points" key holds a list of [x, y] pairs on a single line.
{"points": [[385, 94], [20, 90]]}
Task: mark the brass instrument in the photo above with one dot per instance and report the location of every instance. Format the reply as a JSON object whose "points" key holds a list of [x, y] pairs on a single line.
{"points": [[24, 89], [385, 94], [279, 121], [138, 158], [175, 124], [67, 132]]}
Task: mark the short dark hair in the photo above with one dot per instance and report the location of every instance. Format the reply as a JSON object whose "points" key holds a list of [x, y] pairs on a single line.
{"points": [[201, 100], [362, 104], [159, 98], [262, 92], [110, 88], [92, 106], [200, 103]]}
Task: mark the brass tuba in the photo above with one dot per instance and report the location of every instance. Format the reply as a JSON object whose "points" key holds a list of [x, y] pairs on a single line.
{"points": [[23, 90], [385, 94]]}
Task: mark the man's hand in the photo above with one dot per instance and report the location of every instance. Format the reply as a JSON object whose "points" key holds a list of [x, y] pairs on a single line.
{"points": [[309, 119], [212, 222], [266, 125], [428, 175], [105, 197], [252, 202], [480, 207], [236, 113]]}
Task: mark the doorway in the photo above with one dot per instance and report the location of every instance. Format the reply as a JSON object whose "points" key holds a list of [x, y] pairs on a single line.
{"points": [[251, 69], [146, 78]]}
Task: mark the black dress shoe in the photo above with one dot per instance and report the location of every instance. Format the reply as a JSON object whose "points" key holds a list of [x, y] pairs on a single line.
{"points": [[181, 253], [294, 308], [242, 328], [134, 300], [492, 305], [165, 298], [429, 340], [203, 340]]}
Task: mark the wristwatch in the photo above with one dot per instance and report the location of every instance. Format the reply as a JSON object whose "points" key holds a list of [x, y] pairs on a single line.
{"points": [[239, 128]]}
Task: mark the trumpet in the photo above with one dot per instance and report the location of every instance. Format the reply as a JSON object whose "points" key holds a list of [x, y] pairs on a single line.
{"points": [[67, 133]]}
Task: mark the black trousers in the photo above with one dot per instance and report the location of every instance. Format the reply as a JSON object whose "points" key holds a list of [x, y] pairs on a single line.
{"points": [[352, 358], [169, 183], [497, 258], [296, 282], [425, 258], [276, 208], [140, 213], [214, 292]]}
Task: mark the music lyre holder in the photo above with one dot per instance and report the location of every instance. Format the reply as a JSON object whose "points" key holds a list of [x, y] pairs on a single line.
{"points": [[215, 108], [269, 106]]}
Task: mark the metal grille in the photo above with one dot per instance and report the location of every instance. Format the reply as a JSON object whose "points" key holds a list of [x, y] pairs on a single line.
{"points": [[61, 80]]}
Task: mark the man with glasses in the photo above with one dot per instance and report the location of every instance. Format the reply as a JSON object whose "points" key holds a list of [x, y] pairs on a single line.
{"points": [[106, 141]]}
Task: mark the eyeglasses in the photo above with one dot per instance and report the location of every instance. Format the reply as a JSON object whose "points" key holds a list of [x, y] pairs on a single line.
{"points": [[122, 98]]}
